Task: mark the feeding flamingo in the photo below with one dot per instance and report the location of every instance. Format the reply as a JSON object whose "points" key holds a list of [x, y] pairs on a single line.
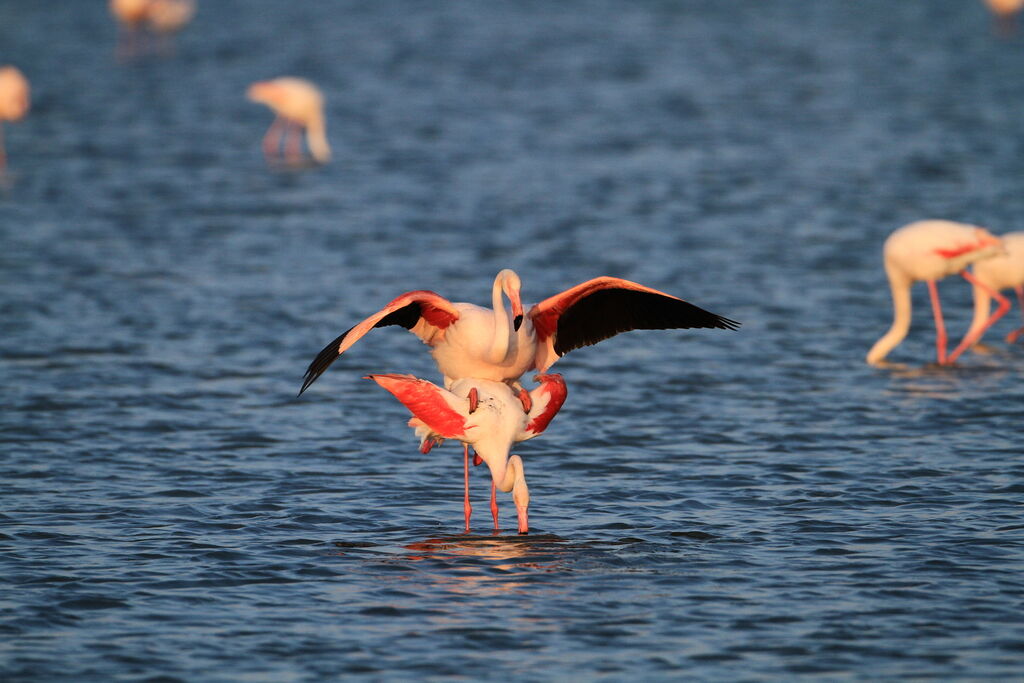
{"points": [[1004, 271], [931, 250], [167, 17], [500, 345], [298, 104], [163, 17], [14, 102], [483, 414]]}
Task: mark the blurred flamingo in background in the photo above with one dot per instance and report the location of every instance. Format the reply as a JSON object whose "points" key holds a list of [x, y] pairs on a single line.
{"points": [[485, 415], [1005, 271], [14, 103], [298, 104], [130, 15], [167, 17], [163, 17], [929, 251], [499, 345], [1005, 12]]}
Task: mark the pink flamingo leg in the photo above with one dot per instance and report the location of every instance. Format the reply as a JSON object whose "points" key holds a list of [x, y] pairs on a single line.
{"points": [[272, 139], [465, 466], [3, 154], [940, 326], [970, 340], [1015, 335], [494, 505], [293, 144]]}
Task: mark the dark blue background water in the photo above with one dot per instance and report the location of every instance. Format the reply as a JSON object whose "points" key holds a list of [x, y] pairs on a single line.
{"points": [[721, 505]]}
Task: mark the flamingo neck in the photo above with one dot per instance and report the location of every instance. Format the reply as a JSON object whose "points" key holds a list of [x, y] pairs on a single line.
{"points": [[982, 305], [500, 342], [513, 479], [900, 285], [316, 138]]}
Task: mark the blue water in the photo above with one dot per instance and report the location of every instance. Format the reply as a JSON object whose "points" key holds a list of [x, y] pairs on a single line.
{"points": [[711, 505]]}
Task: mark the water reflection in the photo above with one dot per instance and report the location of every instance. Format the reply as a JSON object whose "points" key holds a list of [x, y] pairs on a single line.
{"points": [[504, 562]]}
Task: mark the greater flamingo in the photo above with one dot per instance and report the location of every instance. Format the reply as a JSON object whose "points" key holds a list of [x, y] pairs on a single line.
{"points": [[298, 104], [130, 15], [1005, 12], [496, 344], [1004, 271], [14, 102], [930, 250], [483, 414], [167, 17]]}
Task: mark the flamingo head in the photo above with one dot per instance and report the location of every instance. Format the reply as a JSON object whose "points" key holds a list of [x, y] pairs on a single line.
{"points": [[510, 285]]}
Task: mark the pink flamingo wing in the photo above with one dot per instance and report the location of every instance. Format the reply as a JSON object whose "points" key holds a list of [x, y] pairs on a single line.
{"points": [[424, 313], [554, 387], [426, 402], [605, 306]]}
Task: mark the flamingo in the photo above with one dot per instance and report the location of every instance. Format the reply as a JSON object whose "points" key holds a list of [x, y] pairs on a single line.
{"points": [[298, 104], [499, 345], [483, 414], [167, 17], [1005, 271], [130, 15], [930, 250], [1005, 12], [14, 102]]}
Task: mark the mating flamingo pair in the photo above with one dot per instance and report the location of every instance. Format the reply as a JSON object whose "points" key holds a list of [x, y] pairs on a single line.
{"points": [[932, 250], [483, 352]]}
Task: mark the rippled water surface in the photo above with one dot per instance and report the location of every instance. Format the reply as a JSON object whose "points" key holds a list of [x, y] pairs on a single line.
{"points": [[709, 504]]}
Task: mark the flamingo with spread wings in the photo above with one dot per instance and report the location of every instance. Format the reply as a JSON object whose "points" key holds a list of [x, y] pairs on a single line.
{"points": [[483, 414], [499, 344]]}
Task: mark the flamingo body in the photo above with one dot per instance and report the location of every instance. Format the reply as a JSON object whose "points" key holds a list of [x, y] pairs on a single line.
{"points": [[298, 104], [929, 251], [492, 422], [170, 16], [499, 344]]}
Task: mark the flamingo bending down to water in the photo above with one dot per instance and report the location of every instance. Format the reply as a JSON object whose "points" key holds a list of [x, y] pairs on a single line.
{"points": [[163, 17], [483, 414], [298, 104], [1005, 271], [14, 102], [929, 251], [499, 345]]}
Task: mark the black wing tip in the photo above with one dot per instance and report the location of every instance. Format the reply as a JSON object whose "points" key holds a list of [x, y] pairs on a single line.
{"points": [[723, 323], [322, 361]]}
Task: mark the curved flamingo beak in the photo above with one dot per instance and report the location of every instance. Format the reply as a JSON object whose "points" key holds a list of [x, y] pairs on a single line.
{"points": [[517, 309]]}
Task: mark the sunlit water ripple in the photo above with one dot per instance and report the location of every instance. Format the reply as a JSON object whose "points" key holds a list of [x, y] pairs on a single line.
{"points": [[713, 505]]}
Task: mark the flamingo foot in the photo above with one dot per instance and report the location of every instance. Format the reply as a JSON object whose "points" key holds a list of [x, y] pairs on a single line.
{"points": [[477, 460], [1014, 336], [474, 400]]}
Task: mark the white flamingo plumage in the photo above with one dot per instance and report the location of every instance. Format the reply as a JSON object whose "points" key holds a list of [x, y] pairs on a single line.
{"points": [[298, 105], [929, 251], [1004, 271], [500, 345], [486, 415]]}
